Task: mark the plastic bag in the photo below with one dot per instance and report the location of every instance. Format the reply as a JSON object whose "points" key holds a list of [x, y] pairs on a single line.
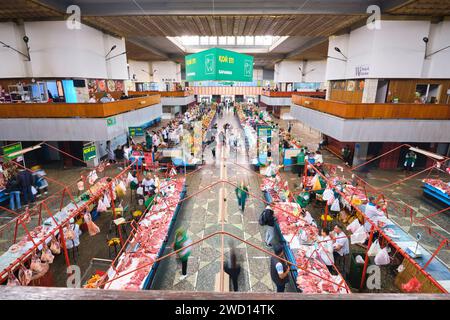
{"points": [[47, 255], [36, 264], [80, 185], [359, 259], [335, 206], [69, 233], [129, 178], [412, 285], [55, 246], [25, 276], [140, 191], [374, 249], [327, 194], [317, 185], [382, 257], [359, 236], [352, 227], [92, 177], [120, 189], [106, 202], [101, 206], [93, 229], [33, 190], [12, 280]]}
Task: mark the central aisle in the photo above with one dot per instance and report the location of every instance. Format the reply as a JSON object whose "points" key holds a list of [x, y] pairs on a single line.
{"points": [[201, 216]]}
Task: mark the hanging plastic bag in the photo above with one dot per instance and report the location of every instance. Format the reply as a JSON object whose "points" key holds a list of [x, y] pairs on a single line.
{"points": [[93, 229], [327, 194], [140, 191], [55, 246], [36, 264], [359, 259], [382, 257], [317, 185], [47, 255], [25, 276], [92, 177], [129, 178], [120, 190], [123, 186], [352, 227], [12, 280], [80, 185], [359, 236], [69, 233], [335, 206], [101, 206], [34, 191], [374, 249], [106, 201]]}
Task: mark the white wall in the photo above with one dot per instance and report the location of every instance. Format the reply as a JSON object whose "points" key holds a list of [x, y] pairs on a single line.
{"points": [[438, 65], [287, 71], [257, 74], [166, 70], [394, 51], [59, 52], [315, 70], [136, 68], [12, 64]]}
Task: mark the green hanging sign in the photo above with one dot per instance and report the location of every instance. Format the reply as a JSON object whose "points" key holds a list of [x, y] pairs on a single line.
{"points": [[11, 149], [111, 121], [89, 152], [136, 131], [219, 64]]}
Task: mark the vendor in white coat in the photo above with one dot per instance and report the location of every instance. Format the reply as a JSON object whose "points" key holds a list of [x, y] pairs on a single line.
{"points": [[325, 249], [341, 248], [371, 212]]}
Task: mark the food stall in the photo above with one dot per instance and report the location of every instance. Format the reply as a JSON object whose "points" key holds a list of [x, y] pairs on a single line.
{"points": [[437, 189]]}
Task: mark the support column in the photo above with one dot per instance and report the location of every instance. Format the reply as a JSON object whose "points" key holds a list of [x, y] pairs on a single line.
{"points": [[370, 91], [328, 88], [360, 153]]}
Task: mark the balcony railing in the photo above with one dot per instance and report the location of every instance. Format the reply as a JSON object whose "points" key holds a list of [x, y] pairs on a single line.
{"points": [[375, 110], [162, 93], [75, 110]]}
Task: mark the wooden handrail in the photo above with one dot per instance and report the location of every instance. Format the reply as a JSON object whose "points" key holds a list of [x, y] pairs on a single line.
{"points": [[161, 93], [375, 110], [75, 110]]}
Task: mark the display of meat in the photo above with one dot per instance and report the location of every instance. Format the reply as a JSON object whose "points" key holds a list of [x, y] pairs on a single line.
{"points": [[439, 184], [145, 244]]}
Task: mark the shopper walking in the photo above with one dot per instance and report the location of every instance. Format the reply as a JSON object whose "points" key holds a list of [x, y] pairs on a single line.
{"points": [[13, 189], [25, 181], [110, 152], [241, 194], [269, 220], [279, 270], [233, 269], [182, 240]]}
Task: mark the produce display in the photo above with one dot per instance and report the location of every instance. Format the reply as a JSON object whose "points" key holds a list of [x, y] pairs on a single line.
{"points": [[146, 243]]}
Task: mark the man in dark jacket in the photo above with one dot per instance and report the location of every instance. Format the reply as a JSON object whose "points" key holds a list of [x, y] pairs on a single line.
{"points": [[25, 181], [12, 188], [269, 220], [279, 270]]}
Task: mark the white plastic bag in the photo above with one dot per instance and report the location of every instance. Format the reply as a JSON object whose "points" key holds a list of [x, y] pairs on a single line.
{"points": [[106, 202], [374, 249], [92, 177], [360, 236], [335, 206], [129, 178], [382, 257], [359, 259], [101, 206], [33, 190], [327, 194], [140, 191], [352, 227]]}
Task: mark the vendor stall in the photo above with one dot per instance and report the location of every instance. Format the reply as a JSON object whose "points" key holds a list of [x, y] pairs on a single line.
{"points": [[437, 189], [148, 242]]}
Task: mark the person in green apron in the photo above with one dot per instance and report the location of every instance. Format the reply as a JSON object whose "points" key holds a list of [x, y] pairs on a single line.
{"points": [[303, 199], [301, 162], [410, 160], [148, 141], [242, 194], [182, 240]]}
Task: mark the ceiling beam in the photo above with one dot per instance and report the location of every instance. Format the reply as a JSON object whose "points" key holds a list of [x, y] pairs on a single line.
{"points": [[229, 7], [308, 45]]}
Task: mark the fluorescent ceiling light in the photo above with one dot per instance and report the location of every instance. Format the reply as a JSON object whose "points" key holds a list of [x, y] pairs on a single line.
{"points": [[23, 151], [427, 153]]}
